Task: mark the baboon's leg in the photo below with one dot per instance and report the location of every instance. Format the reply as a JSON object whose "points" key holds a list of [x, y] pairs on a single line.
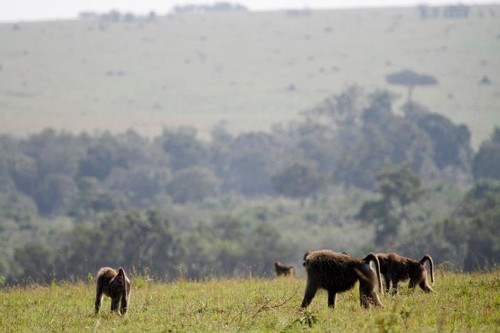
{"points": [[395, 288], [308, 295], [98, 301], [123, 304], [98, 298], [387, 283], [376, 300], [332, 298], [115, 301], [364, 301]]}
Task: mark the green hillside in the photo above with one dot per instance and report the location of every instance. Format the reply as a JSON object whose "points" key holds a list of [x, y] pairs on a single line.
{"points": [[249, 69]]}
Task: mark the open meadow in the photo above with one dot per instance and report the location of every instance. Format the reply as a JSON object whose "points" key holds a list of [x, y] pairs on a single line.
{"points": [[463, 303], [249, 69]]}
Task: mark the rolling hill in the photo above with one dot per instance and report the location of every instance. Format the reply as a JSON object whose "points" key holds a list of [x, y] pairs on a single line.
{"points": [[251, 70]]}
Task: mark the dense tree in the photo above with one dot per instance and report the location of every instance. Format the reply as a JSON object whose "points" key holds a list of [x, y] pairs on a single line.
{"points": [[474, 229], [36, 260], [251, 161], [94, 197], [451, 143], [349, 138], [340, 110], [139, 185], [486, 163], [398, 187], [16, 206], [184, 149], [192, 184], [142, 240], [298, 180]]}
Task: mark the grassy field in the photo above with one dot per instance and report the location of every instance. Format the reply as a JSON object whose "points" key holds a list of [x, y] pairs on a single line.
{"points": [[463, 303], [249, 69]]}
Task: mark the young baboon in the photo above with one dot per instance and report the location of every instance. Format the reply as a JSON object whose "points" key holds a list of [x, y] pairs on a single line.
{"points": [[282, 270], [338, 272], [395, 268], [115, 285]]}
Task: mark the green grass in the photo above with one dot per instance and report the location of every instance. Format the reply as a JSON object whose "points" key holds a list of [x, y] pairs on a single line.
{"points": [[199, 69], [463, 303]]}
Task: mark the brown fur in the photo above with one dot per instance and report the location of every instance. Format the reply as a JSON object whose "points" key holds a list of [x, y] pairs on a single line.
{"points": [[396, 268], [338, 272], [282, 270], [114, 285]]}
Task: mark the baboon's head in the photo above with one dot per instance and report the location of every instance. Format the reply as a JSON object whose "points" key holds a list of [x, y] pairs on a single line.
{"points": [[305, 258], [417, 274]]}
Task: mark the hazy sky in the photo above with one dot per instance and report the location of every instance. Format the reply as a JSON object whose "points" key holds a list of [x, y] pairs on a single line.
{"points": [[27, 10]]}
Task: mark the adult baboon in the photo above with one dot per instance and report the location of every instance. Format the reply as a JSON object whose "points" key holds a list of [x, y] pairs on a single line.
{"points": [[395, 268], [368, 279], [338, 272], [282, 270], [115, 285]]}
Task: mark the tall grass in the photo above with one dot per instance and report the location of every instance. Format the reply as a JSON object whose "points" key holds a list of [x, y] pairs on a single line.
{"points": [[462, 303]]}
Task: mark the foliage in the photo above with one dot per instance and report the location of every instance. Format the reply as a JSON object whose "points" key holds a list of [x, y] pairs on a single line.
{"points": [[410, 79], [298, 180], [398, 187], [474, 230], [192, 184], [230, 247], [487, 160], [335, 151], [451, 143], [184, 149]]}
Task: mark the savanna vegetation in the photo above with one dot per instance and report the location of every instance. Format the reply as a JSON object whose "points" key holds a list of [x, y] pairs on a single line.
{"points": [[276, 154], [463, 303], [350, 174]]}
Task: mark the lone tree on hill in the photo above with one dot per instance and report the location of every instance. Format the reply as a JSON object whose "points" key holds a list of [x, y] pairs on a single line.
{"points": [[410, 79]]}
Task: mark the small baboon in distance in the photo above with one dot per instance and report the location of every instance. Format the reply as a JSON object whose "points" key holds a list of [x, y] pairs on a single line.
{"points": [[395, 268], [282, 270], [115, 285], [338, 272]]}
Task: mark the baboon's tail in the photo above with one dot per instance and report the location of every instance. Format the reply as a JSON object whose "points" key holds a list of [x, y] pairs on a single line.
{"points": [[431, 264], [373, 257]]}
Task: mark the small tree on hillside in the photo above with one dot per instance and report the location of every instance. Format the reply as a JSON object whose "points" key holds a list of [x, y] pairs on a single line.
{"points": [[410, 79]]}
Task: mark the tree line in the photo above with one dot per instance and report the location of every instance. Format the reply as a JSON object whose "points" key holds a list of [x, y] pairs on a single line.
{"points": [[68, 200]]}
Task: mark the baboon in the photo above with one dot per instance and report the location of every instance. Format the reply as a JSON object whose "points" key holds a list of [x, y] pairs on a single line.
{"points": [[395, 268], [368, 279], [282, 270], [115, 285], [338, 272]]}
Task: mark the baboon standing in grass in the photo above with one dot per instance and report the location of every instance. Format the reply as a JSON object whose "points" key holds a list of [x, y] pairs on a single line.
{"points": [[115, 285], [395, 268], [338, 272], [282, 270]]}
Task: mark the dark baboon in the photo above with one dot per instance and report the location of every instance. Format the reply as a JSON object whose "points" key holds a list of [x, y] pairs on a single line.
{"points": [[282, 270], [338, 272], [395, 268], [115, 285]]}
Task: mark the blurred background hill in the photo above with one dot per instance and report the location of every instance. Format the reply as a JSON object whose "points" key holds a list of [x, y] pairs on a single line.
{"points": [[250, 69]]}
